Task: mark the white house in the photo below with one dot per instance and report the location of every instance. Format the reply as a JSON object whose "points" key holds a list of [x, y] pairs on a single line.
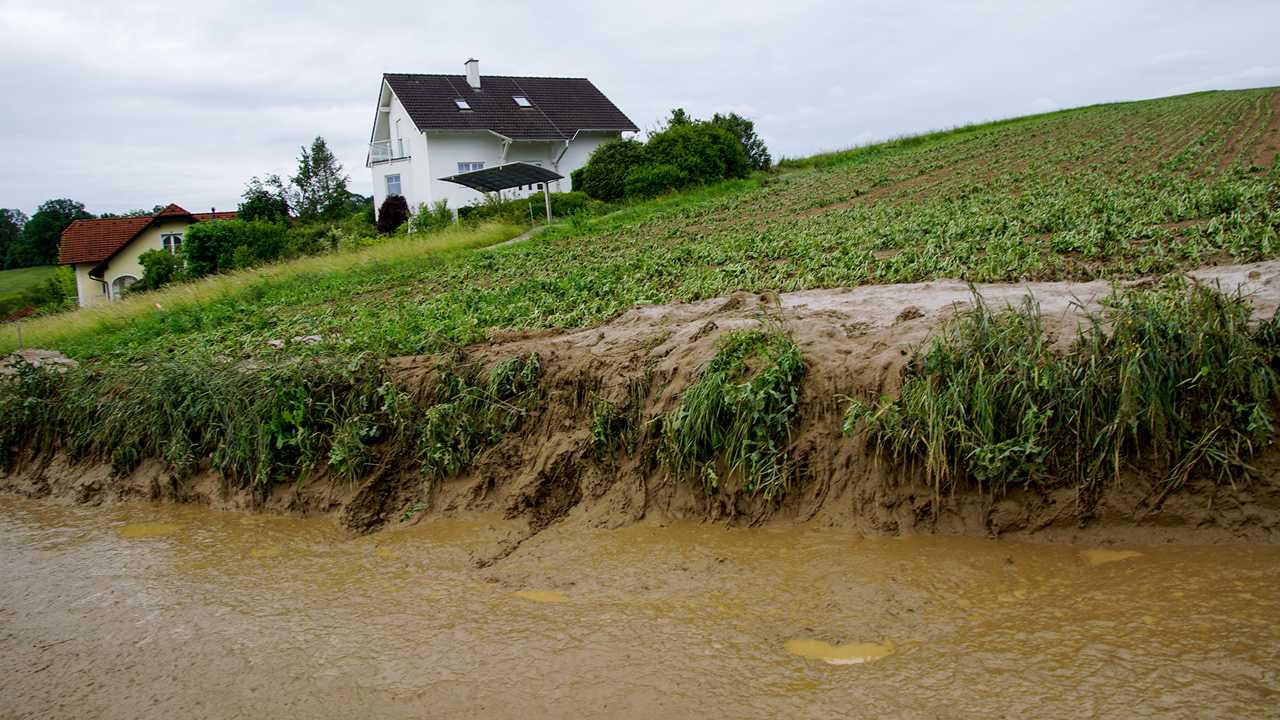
{"points": [[104, 253], [429, 127]]}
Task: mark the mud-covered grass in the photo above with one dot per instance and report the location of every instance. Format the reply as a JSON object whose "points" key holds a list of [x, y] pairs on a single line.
{"points": [[262, 426], [1168, 381], [737, 415], [470, 410]]}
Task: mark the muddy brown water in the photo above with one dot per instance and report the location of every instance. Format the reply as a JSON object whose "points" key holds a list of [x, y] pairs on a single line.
{"points": [[146, 611]]}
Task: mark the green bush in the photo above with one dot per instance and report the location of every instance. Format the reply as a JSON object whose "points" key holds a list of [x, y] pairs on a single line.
{"points": [[649, 180], [159, 268], [211, 247], [704, 153], [393, 213], [522, 210], [438, 216], [745, 131], [604, 176]]}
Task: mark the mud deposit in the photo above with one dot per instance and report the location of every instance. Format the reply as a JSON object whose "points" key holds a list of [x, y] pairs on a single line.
{"points": [[139, 610]]}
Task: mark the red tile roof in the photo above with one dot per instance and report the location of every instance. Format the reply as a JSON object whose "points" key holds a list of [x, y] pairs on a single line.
{"points": [[92, 241]]}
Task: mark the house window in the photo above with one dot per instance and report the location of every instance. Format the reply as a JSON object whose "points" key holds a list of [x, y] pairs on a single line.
{"points": [[522, 101], [466, 167], [462, 104], [120, 284], [171, 242], [393, 184]]}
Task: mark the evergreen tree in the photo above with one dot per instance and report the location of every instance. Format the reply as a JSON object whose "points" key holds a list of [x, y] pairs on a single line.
{"points": [[320, 187]]}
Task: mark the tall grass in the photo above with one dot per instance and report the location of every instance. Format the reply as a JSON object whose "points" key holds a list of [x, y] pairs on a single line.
{"points": [[260, 426], [736, 417], [255, 426], [56, 331], [1169, 381]]}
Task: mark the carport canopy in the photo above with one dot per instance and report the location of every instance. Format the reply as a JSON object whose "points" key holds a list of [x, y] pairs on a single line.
{"points": [[502, 177]]}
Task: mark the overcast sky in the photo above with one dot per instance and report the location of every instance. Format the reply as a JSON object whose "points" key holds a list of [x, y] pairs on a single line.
{"points": [[127, 105]]}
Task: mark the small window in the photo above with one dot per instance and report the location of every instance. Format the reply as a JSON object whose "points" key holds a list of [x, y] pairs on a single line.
{"points": [[120, 284], [466, 167], [522, 101], [393, 184], [171, 242], [462, 104]]}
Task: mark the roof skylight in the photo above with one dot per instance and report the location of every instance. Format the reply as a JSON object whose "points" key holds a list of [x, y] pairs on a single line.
{"points": [[522, 101], [462, 104]]}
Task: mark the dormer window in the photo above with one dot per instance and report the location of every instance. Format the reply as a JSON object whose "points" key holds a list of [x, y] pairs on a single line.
{"points": [[522, 101], [462, 104]]}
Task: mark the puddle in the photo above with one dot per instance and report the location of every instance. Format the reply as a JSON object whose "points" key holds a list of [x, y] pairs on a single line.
{"points": [[542, 596], [653, 621], [852, 654], [137, 530]]}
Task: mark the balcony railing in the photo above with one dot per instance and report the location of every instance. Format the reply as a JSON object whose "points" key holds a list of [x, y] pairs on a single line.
{"points": [[384, 150]]}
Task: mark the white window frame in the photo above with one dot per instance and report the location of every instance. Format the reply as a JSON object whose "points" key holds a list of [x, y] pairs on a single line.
{"points": [[399, 185], [462, 104], [171, 242], [522, 101], [466, 167]]}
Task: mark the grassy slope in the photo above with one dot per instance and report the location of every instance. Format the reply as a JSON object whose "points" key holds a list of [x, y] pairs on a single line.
{"points": [[1106, 191], [14, 282]]}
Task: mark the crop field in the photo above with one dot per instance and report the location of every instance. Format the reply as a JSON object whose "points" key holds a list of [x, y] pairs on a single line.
{"points": [[1109, 191]]}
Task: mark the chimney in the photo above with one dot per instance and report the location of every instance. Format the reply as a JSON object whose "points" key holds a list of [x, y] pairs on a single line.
{"points": [[473, 73]]}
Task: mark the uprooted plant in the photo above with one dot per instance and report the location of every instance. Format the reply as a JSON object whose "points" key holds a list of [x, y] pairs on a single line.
{"points": [[736, 417], [1173, 380]]}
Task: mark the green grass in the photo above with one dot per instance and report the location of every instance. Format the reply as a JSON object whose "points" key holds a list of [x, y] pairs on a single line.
{"points": [[13, 283], [171, 318], [1167, 381], [735, 419]]}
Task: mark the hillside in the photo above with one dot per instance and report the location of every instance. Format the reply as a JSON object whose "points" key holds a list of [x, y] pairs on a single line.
{"points": [[772, 395], [1103, 192], [14, 283]]}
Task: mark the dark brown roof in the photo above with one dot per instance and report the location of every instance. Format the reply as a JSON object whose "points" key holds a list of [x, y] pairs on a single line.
{"points": [[561, 106], [92, 241]]}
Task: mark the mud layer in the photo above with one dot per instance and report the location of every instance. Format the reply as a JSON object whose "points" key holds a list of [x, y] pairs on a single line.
{"points": [[854, 341], [145, 610]]}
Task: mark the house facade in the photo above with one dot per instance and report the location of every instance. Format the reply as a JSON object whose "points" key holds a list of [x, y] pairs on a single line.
{"points": [[429, 127], [104, 253]]}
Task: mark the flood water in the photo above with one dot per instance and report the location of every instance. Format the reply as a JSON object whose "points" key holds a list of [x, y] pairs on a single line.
{"points": [[150, 611]]}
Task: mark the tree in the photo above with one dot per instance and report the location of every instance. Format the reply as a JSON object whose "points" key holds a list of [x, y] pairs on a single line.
{"points": [[745, 131], [320, 187], [393, 213], [43, 232], [11, 222], [264, 200], [678, 117]]}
